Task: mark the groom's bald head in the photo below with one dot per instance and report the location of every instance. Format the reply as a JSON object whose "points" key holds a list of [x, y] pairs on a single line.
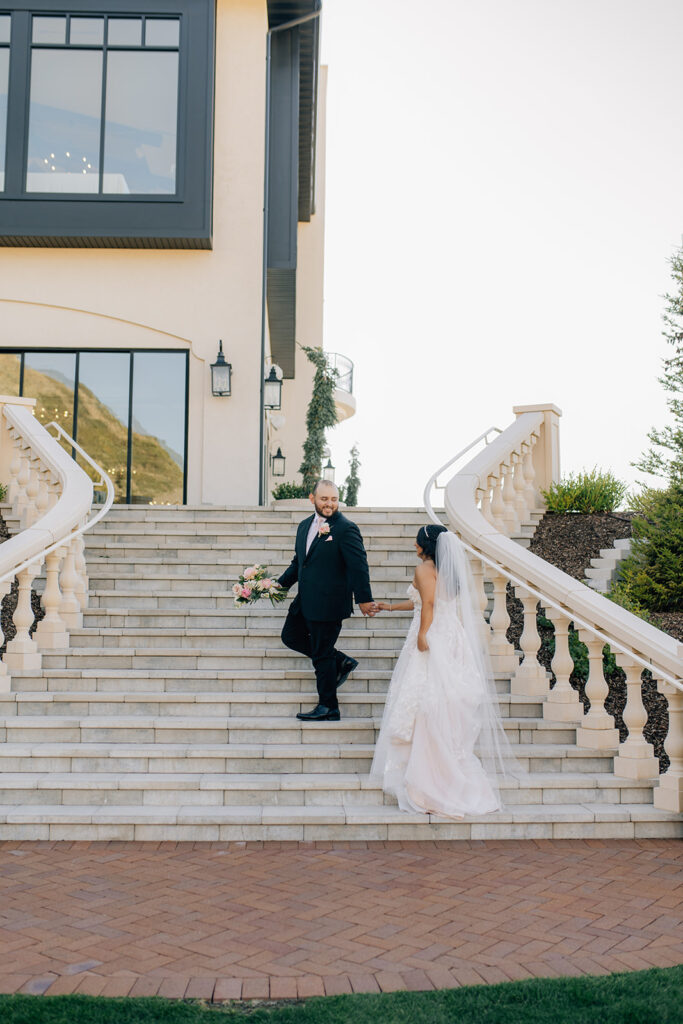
{"points": [[325, 497], [325, 483]]}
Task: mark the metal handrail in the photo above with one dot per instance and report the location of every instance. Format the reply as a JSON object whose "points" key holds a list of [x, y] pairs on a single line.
{"points": [[431, 483], [105, 480], [546, 601]]}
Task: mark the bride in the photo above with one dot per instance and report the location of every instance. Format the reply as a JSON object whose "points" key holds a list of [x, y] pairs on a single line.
{"points": [[441, 746]]}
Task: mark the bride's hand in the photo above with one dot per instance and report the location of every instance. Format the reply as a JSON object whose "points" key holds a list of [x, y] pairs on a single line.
{"points": [[422, 644], [383, 606]]}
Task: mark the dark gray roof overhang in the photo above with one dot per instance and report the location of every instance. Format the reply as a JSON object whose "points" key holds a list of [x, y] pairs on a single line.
{"points": [[291, 132], [280, 12]]}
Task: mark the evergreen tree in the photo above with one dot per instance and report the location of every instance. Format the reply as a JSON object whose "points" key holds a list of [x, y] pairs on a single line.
{"points": [[321, 414], [665, 457], [652, 576], [352, 482]]}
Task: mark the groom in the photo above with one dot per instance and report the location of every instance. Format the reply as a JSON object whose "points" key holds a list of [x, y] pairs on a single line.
{"points": [[331, 567]]}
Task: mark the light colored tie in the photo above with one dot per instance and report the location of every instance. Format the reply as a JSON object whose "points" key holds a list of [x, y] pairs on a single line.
{"points": [[312, 531]]}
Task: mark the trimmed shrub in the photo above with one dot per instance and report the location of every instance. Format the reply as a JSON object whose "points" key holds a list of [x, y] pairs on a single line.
{"points": [[283, 491], [587, 492]]}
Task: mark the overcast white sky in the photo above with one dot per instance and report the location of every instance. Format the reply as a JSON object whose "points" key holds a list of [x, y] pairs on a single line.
{"points": [[504, 191]]}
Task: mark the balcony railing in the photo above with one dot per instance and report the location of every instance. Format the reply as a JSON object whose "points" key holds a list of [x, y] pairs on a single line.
{"points": [[344, 368]]}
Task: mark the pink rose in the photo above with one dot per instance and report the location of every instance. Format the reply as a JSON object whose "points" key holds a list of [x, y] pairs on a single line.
{"points": [[324, 529], [266, 584], [246, 591], [237, 590]]}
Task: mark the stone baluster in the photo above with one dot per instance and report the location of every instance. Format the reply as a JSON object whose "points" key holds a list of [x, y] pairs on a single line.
{"points": [[43, 499], [480, 594], [530, 678], [32, 491], [509, 513], [597, 729], [21, 501], [635, 759], [668, 796], [563, 703], [5, 681], [518, 486], [51, 632], [82, 581], [484, 500], [53, 491], [14, 472], [503, 655], [497, 503], [532, 497], [70, 607], [22, 652]]}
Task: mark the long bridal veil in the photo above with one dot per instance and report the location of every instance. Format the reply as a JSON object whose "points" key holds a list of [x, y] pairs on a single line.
{"points": [[456, 603], [442, 746]]}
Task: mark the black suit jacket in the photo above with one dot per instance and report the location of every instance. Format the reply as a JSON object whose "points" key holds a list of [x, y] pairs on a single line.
{"points": [[334, 571]]}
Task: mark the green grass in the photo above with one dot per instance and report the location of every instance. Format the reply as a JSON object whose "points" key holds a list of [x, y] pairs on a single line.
{"points": [[639, 997]]}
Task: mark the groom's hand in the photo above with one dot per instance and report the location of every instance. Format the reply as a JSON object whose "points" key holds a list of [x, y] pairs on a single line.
{"points": [[368, 608]]}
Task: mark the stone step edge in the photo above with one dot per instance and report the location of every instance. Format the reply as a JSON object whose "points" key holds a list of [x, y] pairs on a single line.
{"points": [[260, 751], [225, 697], [353, 814], [294, 782]]}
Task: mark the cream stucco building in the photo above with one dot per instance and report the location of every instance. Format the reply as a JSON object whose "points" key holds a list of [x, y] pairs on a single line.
{"points": [[139, 149]]}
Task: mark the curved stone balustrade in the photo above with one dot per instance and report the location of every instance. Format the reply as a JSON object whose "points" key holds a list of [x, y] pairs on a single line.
{"points": [[51, 497], [490, 501]]}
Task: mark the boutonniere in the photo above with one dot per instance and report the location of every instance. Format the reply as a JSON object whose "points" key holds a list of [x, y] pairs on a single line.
{"points": [[324, 530]]}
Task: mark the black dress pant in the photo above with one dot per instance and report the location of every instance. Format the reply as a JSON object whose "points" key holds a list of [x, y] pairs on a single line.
{"points": [[316, 641]]}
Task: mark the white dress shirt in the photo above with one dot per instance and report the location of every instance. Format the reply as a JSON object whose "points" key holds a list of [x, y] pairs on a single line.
{"points": [[313, 530]]}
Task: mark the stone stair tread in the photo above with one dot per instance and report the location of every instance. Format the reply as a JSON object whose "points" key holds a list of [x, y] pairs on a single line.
{"points": [[285, 782], [334, 814], [95, 748], [225, 697]]}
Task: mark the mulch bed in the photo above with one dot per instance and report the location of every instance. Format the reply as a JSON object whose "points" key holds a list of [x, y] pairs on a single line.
{"points": [[569, 542]]}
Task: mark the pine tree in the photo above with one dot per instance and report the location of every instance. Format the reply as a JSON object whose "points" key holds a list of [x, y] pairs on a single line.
{"points": [[352, 482], [665, 458]]}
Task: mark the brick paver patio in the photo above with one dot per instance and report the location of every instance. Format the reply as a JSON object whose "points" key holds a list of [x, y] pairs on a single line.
{"points": [[283, 920]]}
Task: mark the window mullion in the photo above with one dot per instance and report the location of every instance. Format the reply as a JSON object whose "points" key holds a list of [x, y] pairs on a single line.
{"points": [[104, 103], [18, 102]]}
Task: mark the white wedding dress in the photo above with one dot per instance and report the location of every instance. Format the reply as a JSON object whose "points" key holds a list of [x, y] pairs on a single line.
{"points": [[441, 746]]}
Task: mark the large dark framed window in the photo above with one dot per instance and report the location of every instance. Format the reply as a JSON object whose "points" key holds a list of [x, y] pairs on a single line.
{"points": [[106, 123], [128, 408]]}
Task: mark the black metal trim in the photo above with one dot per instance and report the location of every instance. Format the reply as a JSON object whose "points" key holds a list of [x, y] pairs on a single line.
{"points": [[74, 415], [182, 220], [187, 423], [129, 449]]}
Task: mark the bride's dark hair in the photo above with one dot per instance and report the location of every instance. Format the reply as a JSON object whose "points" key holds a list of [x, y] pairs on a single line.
{"points": [[427, 537]]}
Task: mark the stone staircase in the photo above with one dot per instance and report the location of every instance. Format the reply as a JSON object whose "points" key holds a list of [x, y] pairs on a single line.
{"points": [[171, 715]]}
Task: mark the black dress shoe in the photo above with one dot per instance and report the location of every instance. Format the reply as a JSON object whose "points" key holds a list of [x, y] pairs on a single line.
{"points": [[321, 713], [345, 669]]}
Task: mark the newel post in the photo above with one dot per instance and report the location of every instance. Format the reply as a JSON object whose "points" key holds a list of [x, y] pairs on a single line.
{"points": [[546, 451], [668, 795]]}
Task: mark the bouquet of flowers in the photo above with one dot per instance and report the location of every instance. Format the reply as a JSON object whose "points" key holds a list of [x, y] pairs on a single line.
{"points": [[255, 583]]}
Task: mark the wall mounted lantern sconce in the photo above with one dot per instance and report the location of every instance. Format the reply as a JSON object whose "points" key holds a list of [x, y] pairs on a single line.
{"points": [[328, 471], [277, 463], [272, 390], [220, 374]]}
